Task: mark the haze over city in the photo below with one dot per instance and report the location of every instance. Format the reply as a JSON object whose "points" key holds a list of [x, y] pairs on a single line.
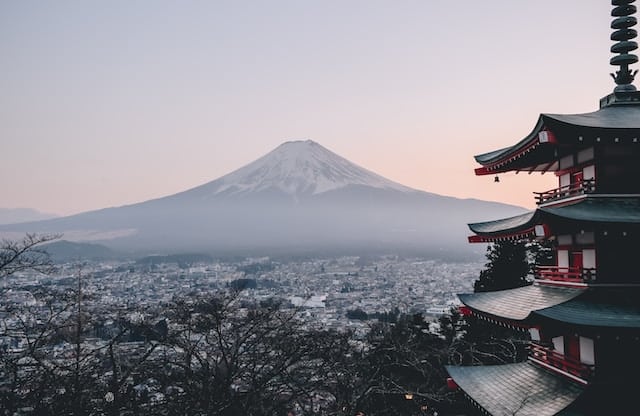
{"points": [[106, 104]]}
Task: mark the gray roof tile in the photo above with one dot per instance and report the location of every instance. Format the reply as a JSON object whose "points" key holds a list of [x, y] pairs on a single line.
{"points": [[599, 307], [518, 303], [593, 208], [521, 389]]}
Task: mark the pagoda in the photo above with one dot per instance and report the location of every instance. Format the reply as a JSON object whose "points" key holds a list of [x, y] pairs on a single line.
{"points": [[583, 312]]}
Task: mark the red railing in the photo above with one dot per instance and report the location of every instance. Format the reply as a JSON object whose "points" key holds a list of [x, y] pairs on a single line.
{"points": [[561, 361], [566, 274], [583, 187]]}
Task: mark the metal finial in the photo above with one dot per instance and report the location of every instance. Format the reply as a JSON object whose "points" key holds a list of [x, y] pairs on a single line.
{"points": [[622, 23]]}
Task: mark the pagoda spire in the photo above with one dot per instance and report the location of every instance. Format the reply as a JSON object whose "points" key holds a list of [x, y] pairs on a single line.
{"points": [[623, 33]]}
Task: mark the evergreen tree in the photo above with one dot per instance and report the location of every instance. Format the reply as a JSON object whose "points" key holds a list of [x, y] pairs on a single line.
{"points": [[507, 267]]}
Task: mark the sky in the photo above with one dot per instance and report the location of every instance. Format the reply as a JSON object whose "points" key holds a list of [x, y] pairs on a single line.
{"points": [[110, 103]]}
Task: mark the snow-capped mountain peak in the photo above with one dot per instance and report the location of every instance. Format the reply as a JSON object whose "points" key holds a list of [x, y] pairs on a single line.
{"points": [[301, 167], [298, 198]]}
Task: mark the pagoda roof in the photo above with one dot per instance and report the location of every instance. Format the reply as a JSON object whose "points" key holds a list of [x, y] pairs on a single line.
{"points": [[522, 388], [517, 304], [538, 150], [592, 208], [596, 208], [596, 307], [506, 225], [612, 118], [602, 307]]}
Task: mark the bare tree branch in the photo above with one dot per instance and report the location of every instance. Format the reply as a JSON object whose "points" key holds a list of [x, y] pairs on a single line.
{"points": [[25, 254]]}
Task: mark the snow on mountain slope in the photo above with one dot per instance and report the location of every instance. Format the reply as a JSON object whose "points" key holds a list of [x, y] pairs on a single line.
{"points": [[300, 197], [297, 168]]}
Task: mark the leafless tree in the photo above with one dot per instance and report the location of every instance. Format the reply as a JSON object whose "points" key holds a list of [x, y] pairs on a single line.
{"points": [[25, 254], [47, 364], [232, 358], [402, 370]]}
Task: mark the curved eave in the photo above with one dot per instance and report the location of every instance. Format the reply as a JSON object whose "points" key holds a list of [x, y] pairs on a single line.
{"points": [[516, 227], [593, 209], [517, 304], [536, 151], [510, 389], [601, 308], [527, 234], [532, 150]]}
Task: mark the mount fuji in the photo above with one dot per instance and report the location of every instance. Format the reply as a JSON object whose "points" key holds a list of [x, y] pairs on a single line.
{"points": [[297, 169], [299, 198]]}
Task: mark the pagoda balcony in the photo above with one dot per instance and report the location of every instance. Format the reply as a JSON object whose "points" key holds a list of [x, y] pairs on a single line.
{"points": [[555, 361], [583, 187], [566, 274]]}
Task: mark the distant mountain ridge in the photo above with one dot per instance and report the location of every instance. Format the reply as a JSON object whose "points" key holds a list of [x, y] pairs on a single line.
{"points": [[300, 197], [63, 251]]}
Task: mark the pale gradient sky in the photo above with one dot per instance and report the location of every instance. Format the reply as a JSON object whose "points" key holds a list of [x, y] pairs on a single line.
{"points": [[105, 103]]}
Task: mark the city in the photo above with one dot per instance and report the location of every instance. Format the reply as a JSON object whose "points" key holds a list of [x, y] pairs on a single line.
{"points": [[125, 326], [326, 289]]}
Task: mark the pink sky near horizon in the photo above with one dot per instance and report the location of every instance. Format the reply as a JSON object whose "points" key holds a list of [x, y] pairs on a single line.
{"points": [[107, 104]]}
